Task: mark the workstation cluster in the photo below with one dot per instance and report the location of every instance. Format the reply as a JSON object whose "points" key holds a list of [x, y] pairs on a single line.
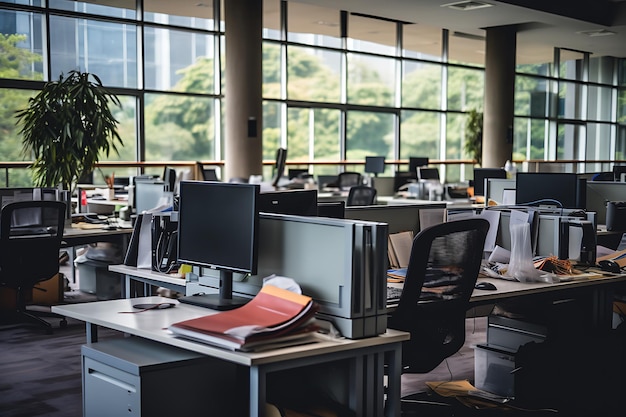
{"points": [[342, 263]]}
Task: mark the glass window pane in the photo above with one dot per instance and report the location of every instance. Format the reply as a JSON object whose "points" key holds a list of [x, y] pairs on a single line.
{"points": [[466, 49], [11, 143], [371, 80], [532, 58], [371, 35], [423, 42], [299, 132], [571, 64], [21, 43], [621, 106], [326, 147], [621, 78], [106, 49], [179, 61], [598, 141], [569, 140], [421, 85], [271, 20], [529, 138], [599, 103], [197, 15], [531, 96], [455, 132], [369, 133], [179, 128], [570, 100], [112, 8], [313, 75], [272, 75], [313, 25], [272, 129], [420, 133], [127, 128], [35, 3], [465, 89], [620, 145], [601, 69]]}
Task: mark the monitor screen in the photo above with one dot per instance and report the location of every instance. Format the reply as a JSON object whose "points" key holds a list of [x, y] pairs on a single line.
{"points": [[297, 173], [548, 188], [481, 174], [375, 164], [297, 202], [618, 170], [427, 173], [218, 225], [416, 162], [148, 194], [279, 168]]}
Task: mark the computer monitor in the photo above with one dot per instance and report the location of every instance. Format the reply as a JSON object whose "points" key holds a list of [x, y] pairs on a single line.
{"points": [[481, 174], [279, 167], [416, 162], [147, 194], [297, 202], [296, 173], [169, 177], [218, 227], [402, 178], [375, 165], [618, 170], [424, 173], [550, 188]]}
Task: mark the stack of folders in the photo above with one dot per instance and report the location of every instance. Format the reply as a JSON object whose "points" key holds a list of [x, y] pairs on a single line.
{"points": [[399, 252], [275, 317]]}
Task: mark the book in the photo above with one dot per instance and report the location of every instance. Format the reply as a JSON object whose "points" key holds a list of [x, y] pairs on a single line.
{"points": [[273, 316], [399, 249]]}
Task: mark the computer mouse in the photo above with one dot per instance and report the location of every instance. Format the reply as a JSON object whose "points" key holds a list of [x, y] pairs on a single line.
{"points": [[608, 265], [484, 285]]}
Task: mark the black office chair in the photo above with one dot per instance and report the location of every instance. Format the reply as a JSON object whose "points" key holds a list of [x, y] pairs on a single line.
{"points": [[346, 180], [443, 267], [361, 195], [30, 241]]}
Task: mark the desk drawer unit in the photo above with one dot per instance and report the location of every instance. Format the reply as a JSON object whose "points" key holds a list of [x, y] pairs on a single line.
{"points": [[513, 333], [136, 377]]}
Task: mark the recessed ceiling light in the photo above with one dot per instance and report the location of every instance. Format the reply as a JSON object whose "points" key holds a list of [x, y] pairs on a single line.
{"points": [[467, 5], [596, 33], [326, 23]]}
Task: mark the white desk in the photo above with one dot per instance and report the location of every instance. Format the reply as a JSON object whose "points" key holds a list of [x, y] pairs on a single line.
{"points": [[365, 357], [149, 277]]}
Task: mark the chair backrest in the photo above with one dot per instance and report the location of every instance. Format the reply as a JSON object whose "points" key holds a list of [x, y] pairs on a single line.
{"points": [[30, 240], [361, 195], [346, 180], [443, 268]]}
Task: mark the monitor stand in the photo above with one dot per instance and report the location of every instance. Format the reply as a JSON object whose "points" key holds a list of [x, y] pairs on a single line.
{"points": [[222, 301]]}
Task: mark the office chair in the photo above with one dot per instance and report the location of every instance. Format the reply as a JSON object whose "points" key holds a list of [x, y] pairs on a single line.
{"points": [[443, 267], [347, 179], [30, 240], [361, 195]]}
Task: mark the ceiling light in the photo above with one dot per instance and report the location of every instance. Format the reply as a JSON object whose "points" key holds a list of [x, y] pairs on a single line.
{"points": [[326, 23], [596, 33], [467, 5]]}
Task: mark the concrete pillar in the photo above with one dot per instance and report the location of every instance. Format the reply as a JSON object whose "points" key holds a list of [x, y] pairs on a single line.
{"points": [[243, 150], [499, 96]]}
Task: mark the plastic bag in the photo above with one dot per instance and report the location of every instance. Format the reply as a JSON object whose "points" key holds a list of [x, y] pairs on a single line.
{"points": [[521, 266]]}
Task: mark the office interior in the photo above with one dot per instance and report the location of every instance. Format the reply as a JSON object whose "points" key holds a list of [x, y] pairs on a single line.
{"points": [[591, 151]]}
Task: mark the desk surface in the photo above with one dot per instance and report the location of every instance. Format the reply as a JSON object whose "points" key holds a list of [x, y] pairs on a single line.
{"points": [[153, 324]]}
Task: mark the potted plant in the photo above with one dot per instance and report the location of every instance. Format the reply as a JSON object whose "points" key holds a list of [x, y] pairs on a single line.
{"points": [[66, 127], [474, 136]]}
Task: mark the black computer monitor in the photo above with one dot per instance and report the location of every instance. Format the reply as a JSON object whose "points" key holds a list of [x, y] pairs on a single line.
{"points": [[416, 162], [297, 202], [375, 165], [402, 178], [618, 170], [481, 174], [293, 173], [550, 188], [279, 167], [218, 228], [169, 177], [424, 173], [147, 194]]}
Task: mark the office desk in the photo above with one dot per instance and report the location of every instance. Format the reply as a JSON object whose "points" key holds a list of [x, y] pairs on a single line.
{"points": [[74, 236], [365, 358]]}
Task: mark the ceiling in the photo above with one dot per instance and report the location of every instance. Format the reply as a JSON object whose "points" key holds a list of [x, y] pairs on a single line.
{"points": [[542, 24]]}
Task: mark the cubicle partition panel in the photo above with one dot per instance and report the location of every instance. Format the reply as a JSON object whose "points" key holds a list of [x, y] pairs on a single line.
{"points": [[399, 218], [601, 192], [340, 263]]}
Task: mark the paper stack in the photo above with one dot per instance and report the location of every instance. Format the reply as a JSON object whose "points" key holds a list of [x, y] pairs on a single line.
{"points": [[275, 317]]}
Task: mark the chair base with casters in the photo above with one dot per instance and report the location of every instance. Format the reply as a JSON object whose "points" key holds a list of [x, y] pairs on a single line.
{"points": [[22, 315]]}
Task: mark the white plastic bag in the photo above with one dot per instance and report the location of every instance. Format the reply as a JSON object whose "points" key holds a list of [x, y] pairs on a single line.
{"points": [[521, 266]]}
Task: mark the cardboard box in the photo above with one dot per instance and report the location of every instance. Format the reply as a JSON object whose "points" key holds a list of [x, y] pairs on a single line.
{"points": [[49, 292]]}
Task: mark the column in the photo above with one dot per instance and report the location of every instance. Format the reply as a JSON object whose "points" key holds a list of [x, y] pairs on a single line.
{"points": [[243, 151], [499, 96]]}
